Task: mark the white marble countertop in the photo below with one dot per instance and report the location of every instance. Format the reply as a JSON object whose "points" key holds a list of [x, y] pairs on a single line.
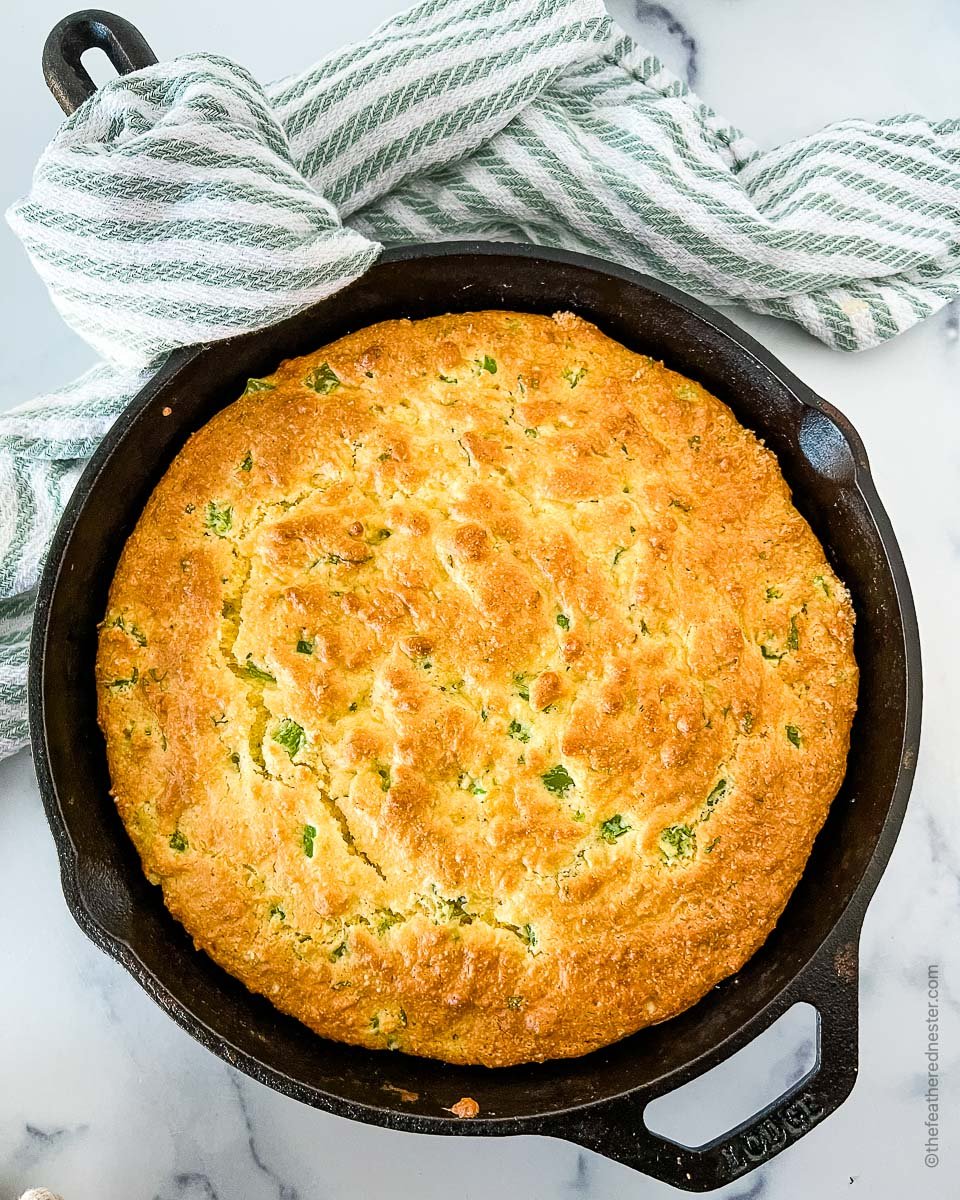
{"points": [[102, 1096]]}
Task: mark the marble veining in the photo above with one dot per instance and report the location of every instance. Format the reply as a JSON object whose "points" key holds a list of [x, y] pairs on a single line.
{"points": [[756, 1189], [285, 1191], [647, 14], [580, 1184], [104, 1097], [190, 1185], [36, 1144], [951, 320]]}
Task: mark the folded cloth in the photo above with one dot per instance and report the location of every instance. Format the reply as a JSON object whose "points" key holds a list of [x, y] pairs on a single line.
{"points": [[185, 203]]}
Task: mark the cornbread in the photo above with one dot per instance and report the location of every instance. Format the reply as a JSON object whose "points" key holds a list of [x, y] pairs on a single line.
{"points": [[472, 688]]}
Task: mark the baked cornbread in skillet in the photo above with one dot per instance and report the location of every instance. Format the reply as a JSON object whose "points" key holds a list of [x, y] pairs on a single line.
{"points": [[473, 688]]}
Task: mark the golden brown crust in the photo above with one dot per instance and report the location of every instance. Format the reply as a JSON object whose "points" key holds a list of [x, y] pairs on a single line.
{"points": [[473, 688]]}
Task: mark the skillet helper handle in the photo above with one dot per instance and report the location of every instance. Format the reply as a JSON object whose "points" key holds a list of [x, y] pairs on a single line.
{"points": [[91, 28], [830, 985]]}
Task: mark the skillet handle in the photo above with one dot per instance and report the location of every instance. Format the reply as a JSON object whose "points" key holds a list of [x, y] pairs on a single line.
{"points": [[619, 1132], [66, 76]]}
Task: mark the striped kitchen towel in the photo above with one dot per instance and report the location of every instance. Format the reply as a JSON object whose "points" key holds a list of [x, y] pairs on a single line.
{"points": [[187, 203]]}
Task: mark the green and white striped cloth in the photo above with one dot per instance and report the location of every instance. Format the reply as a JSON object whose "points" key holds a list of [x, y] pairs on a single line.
{"points": [[187, 203]]}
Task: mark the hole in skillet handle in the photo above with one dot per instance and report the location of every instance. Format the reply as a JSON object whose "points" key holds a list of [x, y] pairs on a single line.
{"points": [[753, 1077], [616, 1129], [91, 28]]}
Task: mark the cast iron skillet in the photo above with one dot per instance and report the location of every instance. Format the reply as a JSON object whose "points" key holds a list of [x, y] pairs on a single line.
{"points": [[599, 1100]]}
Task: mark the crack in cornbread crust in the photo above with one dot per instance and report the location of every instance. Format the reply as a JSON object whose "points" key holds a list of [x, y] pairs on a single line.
{"points": [[510, 544]]}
